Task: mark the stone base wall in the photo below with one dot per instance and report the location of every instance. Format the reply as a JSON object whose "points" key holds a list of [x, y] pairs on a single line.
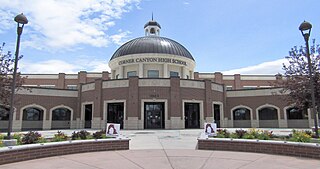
{"points": [[29, 152], [310, 150]]}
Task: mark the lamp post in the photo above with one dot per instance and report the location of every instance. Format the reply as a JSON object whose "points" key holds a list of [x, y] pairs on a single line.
{"points": [[21, 21], [305, 29]]}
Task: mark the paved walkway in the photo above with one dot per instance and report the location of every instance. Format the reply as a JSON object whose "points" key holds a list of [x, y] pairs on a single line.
{"points": [[166, 149]]}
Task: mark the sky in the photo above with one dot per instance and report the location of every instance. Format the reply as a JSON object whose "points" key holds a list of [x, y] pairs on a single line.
{"points": [[230, 36]]}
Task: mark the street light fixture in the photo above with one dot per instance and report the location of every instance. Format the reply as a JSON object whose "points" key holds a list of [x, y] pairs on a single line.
{"points": [[21, 21], [305, 29]]}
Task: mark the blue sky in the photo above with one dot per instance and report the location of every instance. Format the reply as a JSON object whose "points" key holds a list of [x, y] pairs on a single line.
{"points": [[247, 37]]}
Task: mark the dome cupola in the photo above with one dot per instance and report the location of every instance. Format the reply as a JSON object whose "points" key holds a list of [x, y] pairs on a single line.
{"points": [[152, 56], [152, 28]]}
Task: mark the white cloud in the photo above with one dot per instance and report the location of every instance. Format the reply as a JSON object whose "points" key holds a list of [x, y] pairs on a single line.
{"points": [[186, 3], [59, 66], [120, 38], [272, 68], [66, 23]]}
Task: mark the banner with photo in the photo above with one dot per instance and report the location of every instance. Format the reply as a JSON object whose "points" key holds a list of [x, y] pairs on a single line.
{"points": [[113, 129], [210, 129]]}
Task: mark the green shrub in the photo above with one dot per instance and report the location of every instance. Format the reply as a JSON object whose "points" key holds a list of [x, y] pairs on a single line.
{"points": [[248, 136], [234, 135], [80, 135], [42, 140], [2, 136], [60, 136], [223, 133], [309, 132], [99, 134], [240, 133], [300, 136], [31, 137], [17, 136], [1, 144], [263, 136]]}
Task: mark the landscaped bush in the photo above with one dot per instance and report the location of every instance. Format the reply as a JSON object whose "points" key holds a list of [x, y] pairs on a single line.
{"points": [[17, 136], [1, 144], [300, 136], [223, 133], [2, 136], [80, 135], [60, 136], [31, 137], [240, 133], [258, 134], [99, 134]]}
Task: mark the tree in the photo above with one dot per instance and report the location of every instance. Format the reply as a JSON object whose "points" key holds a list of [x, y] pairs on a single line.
{"points": [[6, 71], [296, 80]]}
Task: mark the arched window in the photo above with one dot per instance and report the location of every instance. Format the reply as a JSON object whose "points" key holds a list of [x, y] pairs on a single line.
{"points": [[32, 114], [295, 113], [61, 114], [241, 114], [152, 31], [4, 113], [268, 113]]}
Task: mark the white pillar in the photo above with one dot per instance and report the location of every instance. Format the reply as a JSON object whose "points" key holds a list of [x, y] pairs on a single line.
{"points": [[140, 70], [165, 71], [184, 72], [121, 72]]}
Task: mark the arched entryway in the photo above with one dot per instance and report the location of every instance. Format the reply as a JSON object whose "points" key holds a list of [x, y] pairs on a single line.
{"points": [[241, 117], [268, 117], [4, 118], [61, 118], [32, 118], [297, 118]]}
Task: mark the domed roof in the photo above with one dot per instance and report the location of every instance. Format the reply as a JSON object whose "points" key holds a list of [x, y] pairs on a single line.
{"points": [[152, 44]]}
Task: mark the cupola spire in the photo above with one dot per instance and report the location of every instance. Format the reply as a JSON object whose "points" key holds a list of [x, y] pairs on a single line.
{"points": [[152, 27]]}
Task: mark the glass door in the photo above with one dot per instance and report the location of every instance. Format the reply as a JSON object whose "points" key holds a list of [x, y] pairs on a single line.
{"points": [[115, 113], [154, 115], [192, 115]]}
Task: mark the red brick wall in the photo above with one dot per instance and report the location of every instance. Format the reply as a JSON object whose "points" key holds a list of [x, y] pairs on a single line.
{"points": [[47, 102], [47, 150], [254, 102]]}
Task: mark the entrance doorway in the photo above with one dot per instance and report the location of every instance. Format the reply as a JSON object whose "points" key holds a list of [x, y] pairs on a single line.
{"points": [[87, 115], [192, 115], [216, 115], [115, 113], [154, 115]]}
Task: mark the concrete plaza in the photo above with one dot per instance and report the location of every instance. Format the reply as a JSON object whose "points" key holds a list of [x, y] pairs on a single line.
{"points": [[166, 149]]}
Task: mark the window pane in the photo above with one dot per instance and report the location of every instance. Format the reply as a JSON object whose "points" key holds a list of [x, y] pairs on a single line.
{"points": [[153, 73], [32, 114], [268, 113], [295, 113], [174, 74], [131, 74], [61, 114], [4, 113], [241, 114]]}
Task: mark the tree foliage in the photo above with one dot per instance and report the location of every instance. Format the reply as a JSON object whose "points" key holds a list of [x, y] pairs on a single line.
{"points": [[296, 79], [6, 72]]}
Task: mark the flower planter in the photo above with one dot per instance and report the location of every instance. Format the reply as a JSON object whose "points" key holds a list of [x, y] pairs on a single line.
{"points": [[41, 150], [310, 150]]}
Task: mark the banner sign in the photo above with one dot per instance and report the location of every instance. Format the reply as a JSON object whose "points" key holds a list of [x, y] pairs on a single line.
{"points": [[113, 129], [210, 129]]}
